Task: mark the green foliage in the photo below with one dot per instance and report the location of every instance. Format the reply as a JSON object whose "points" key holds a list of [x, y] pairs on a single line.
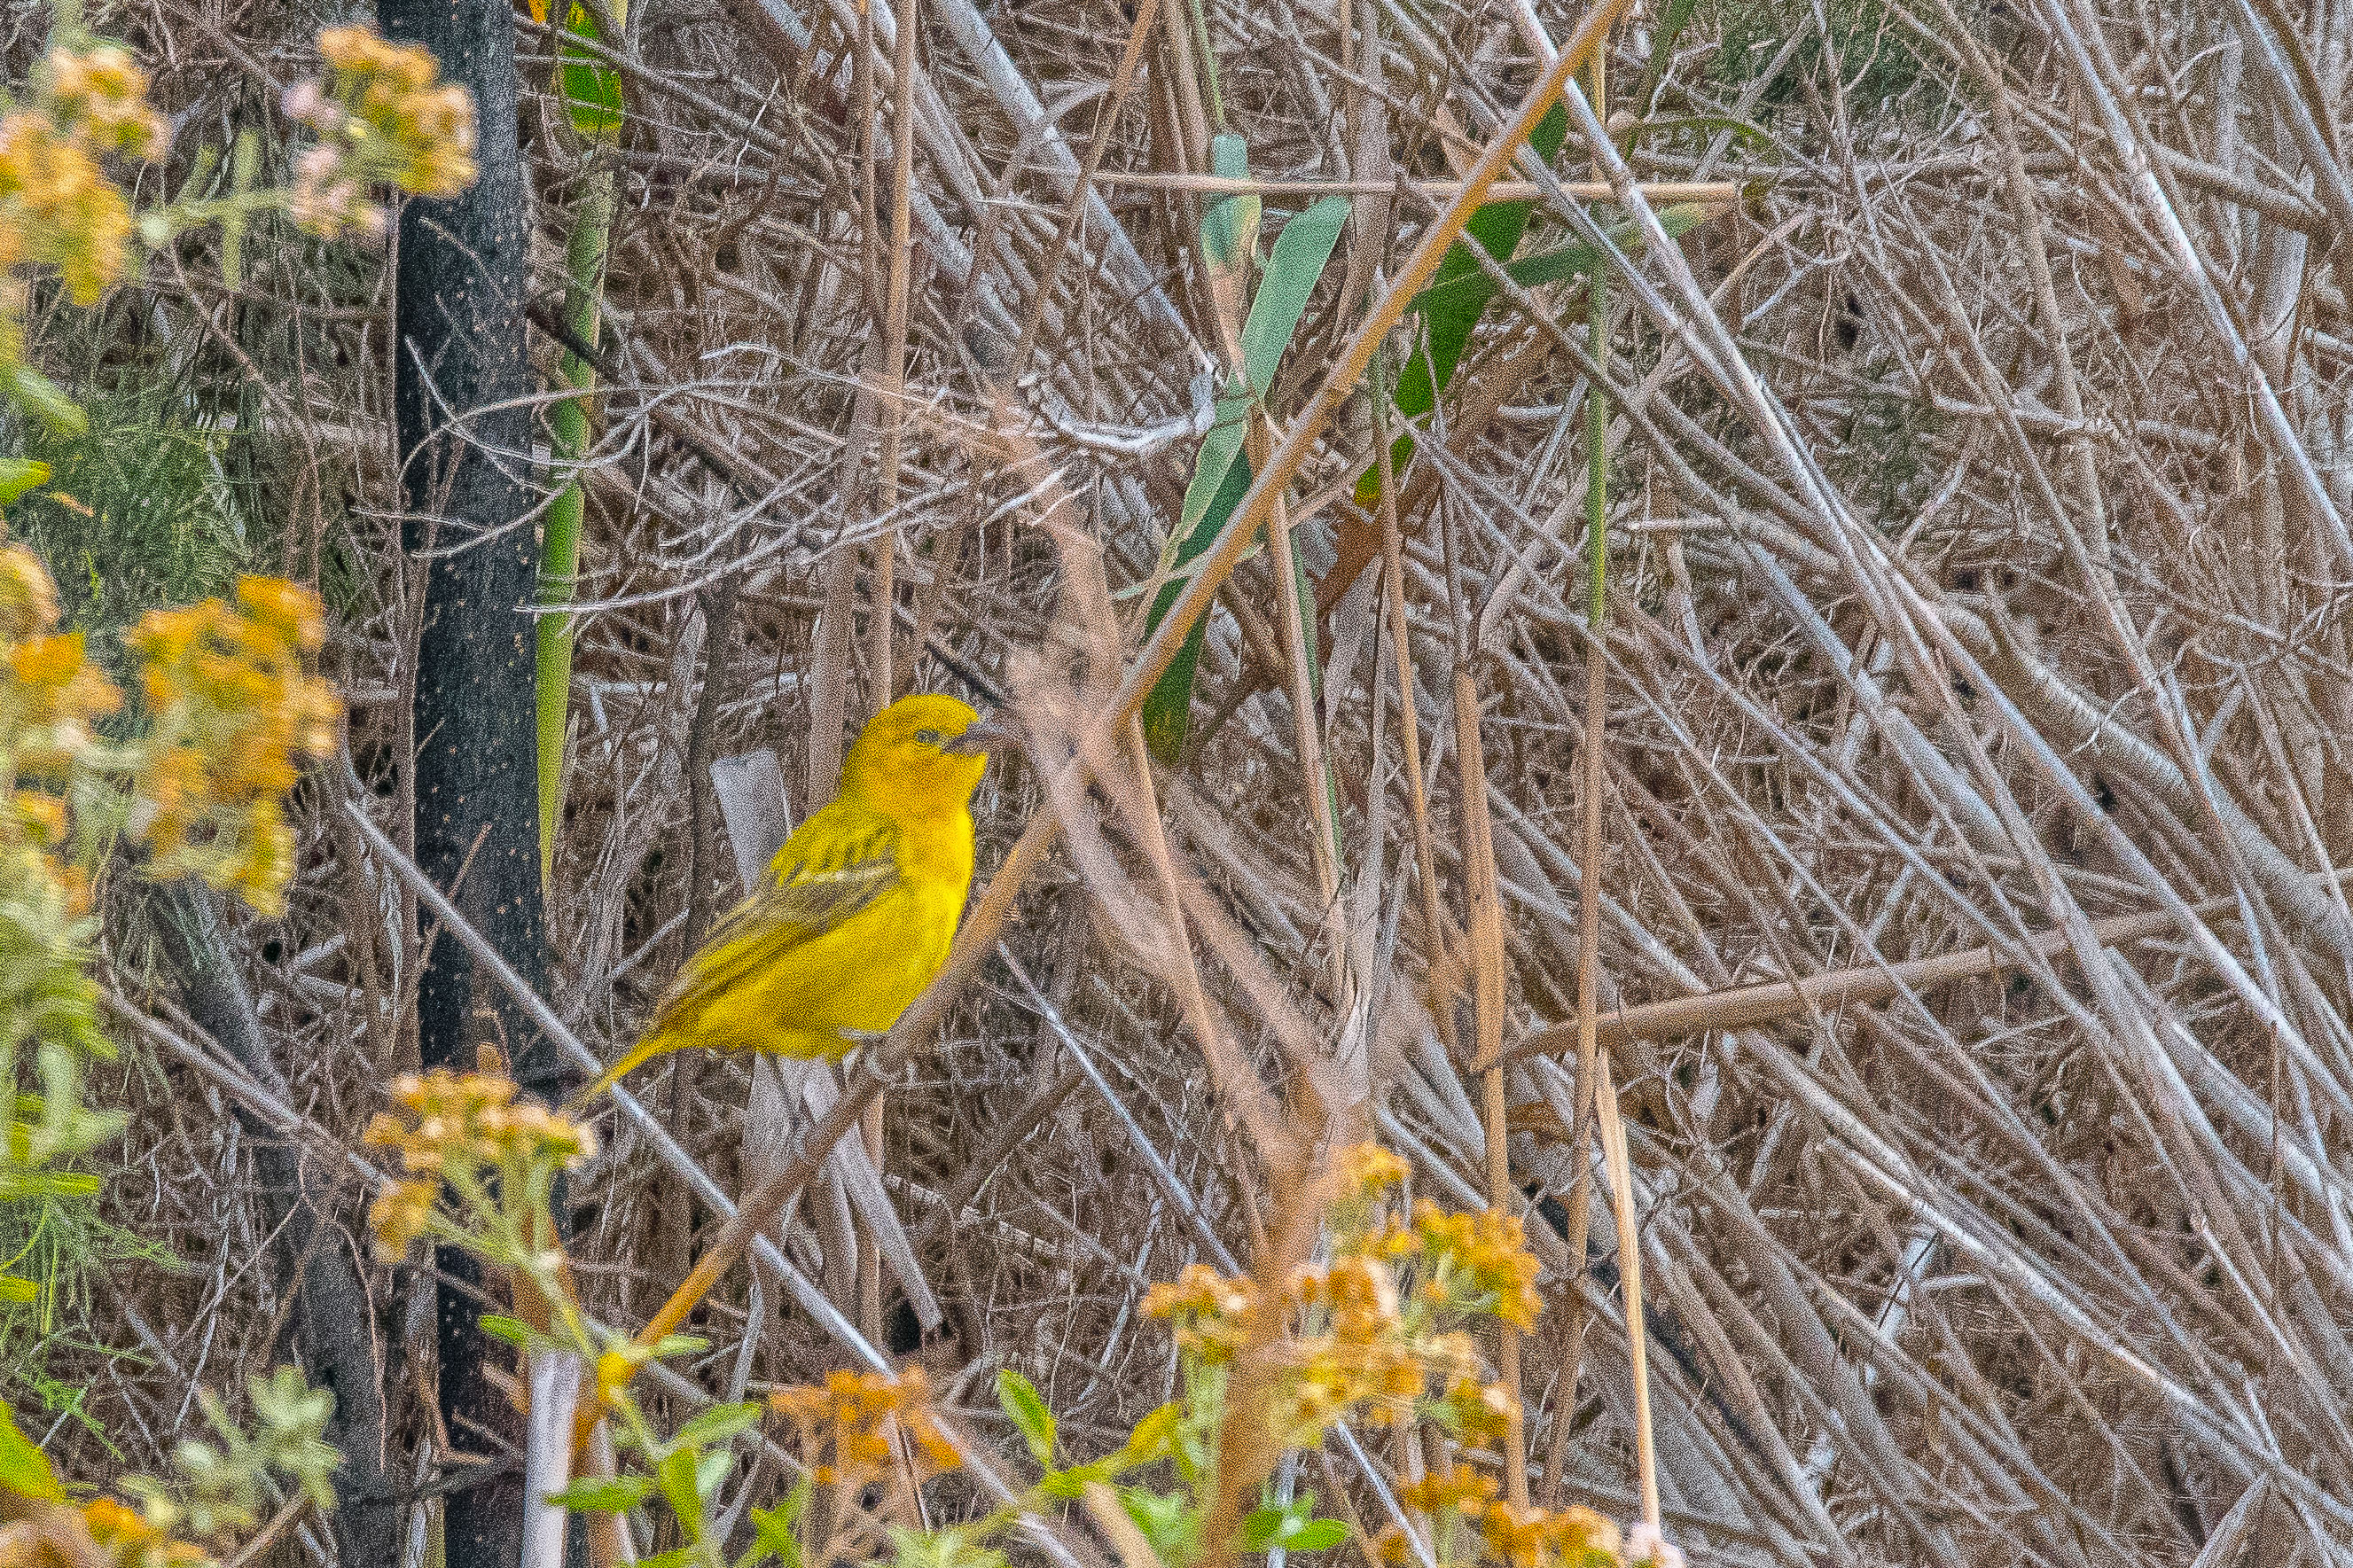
{"points": [[1458, 295], [24, 1468], [1876, 64], [1292, 1526], [56, 1250], [592, 90], [1221, 475], [1446, 295], [137, 513], [221, 1486], [1026, 1408]]}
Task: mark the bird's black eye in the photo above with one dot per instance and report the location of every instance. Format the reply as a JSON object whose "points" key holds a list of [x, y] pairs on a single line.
{"points": [[928, 737]]}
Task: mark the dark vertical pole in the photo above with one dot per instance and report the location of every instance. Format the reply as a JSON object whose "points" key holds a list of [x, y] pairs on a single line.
{"points": [[459, 338]]}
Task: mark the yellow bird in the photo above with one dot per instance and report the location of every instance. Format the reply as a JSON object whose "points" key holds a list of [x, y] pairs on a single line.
{"points": [[857, 908]]}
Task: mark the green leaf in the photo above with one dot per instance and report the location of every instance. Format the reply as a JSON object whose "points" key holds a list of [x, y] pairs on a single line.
{"points": [[42, 398], [1168, 1520], [718, 1425], [24, 1468], [1292, 269], [670, 1345], [1576, 261], [1263, 1528], [954, 1546], [773, 1539], [18, 1292], [20, 475], [1282, 1524], [1153, 1437], [1221, 475], [1169, 707], [1221, 449], [617, 1496], [1229, 225], [681, 1557], [1456, 297], [1022, 1404], [675, 1474], [512, 1331], [710, 1472], [592, 90], [1318, 1535]]}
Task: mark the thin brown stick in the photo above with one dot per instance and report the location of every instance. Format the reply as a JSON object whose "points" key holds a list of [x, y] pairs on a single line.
{"points": [[1772, 1002], [1484, 918]]}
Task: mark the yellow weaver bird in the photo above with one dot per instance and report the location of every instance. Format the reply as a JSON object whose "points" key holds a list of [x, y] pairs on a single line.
{"points": [[857, 908]]}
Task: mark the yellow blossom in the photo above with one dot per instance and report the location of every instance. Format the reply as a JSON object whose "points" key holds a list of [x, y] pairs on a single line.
{"points": [[843, 1425], [233, 710], [102, 94]]}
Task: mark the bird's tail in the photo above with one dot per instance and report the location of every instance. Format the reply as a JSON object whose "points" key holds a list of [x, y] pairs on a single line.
{"points": [[653, 1043]]}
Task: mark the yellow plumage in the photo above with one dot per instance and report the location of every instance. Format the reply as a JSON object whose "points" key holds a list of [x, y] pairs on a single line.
{"points": [[857, 908]]}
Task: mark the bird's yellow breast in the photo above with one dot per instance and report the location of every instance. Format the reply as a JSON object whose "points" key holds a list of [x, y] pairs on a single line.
{"points": [[856, 978]]}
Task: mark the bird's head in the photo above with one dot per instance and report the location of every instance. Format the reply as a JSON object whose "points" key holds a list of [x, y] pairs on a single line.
{"points": [[920, 754]]}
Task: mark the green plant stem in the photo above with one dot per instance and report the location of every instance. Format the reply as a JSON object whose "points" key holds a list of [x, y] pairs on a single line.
{"points": [[559, 562]]}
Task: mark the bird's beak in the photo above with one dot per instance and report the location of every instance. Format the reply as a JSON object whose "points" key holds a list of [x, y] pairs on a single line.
{"points": [[981, 736]]}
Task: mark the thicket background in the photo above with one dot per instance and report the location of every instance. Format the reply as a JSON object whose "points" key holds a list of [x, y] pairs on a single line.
{"points": [[1980, 559]]}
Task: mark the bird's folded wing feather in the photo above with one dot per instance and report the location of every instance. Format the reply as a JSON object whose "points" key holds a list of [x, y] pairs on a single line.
{"points": [[810, 890]]}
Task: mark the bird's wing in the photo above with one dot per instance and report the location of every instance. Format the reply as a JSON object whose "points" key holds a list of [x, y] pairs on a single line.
{"points": [[817, 881]]}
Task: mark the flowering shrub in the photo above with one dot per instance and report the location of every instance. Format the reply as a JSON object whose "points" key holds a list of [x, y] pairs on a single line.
{"points": [[381, 114], [216, 1491], [199, 791], [380, 119], [58, 208], [465, 1134], [230, 708], [233, 707], [1382, 1333], [842, 1427]]}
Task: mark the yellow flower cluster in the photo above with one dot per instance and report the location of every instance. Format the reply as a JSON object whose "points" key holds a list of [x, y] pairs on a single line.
{"points": [[58, 208], [103, 93], [383, 116], [1471, 1522], [842, 1426], [1209, 1314], [130, 1539], [1350, 1340], [1479, 1262], [453, 1127], [51, 698], [233, 707]]}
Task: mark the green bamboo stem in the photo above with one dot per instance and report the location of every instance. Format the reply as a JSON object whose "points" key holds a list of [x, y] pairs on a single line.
{"points": [[559, 562]]}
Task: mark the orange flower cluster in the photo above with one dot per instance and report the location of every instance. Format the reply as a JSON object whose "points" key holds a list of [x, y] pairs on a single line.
{"points": [[452, 1126], [384, 116], [1463, 1502], [50, 698], [1350, 1340], [1209, 1314], [842, 1426], [130, 1539], [1476, 1262], [233, 708]]}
